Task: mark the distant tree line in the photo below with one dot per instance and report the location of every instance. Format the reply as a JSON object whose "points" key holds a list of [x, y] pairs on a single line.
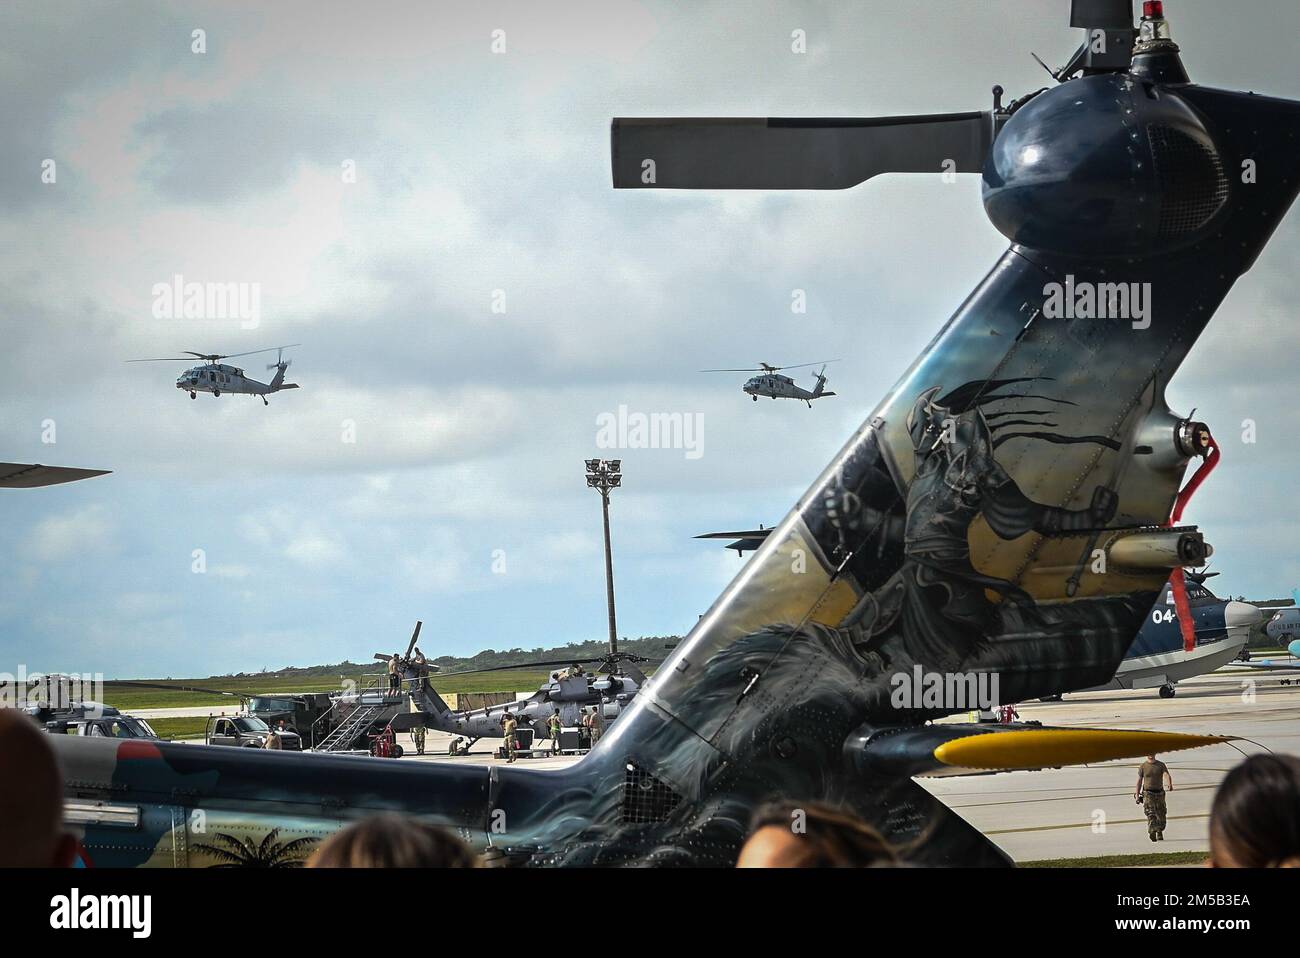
{"points": [[653, 647]]}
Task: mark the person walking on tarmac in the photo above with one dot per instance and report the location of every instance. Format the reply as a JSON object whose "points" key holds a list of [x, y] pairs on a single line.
{"points": [[597, 724], [1150, 791], [509, 725], [553, 723]]}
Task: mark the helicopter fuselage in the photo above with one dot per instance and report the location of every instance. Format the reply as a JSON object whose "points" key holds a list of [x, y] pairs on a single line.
{"points": [[776, 386], [218, 378], [567, 696]]}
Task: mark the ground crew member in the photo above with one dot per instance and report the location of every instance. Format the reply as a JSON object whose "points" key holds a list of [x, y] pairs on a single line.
{"points": [[417, 735], [508, 745], [553, 723], [421, 669], [273, 740], [597, 725], [1151, 785], [394, 674]]}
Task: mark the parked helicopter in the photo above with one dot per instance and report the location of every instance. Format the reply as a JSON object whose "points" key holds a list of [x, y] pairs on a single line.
{"points": [[1122, 170], [215, 377], [776, 386], [571, 689]]}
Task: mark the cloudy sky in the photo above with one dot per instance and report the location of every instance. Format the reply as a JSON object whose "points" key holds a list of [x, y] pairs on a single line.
{"points": [[481, 180]]}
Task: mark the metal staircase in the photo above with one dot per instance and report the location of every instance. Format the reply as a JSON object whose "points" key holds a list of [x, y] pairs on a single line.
{"points": [[344, 737]]}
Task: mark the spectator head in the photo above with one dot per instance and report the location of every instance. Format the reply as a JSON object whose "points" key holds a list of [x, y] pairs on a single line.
{"points": [[392, 841], [1255, 818], [31, 799], [812, 835]]}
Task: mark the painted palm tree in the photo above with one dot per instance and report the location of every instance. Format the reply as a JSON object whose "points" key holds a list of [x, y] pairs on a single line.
{"points": [[233, 852]]}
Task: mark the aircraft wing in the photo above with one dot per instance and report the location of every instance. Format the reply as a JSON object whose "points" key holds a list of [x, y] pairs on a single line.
{"points": [[968, 749], [25, 475]]}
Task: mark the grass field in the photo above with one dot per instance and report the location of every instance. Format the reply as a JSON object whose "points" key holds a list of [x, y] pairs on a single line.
{"points": [[1144, 860], [127, 697], [172, 728]]}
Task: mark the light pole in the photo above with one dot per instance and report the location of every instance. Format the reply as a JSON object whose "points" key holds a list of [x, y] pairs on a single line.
{"points": [[605, 475]]}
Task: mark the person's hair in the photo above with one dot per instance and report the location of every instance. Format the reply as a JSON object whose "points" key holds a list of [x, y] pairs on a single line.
{"points": [[31, 798], [1255, 817], [832, 837], [391, 841]]}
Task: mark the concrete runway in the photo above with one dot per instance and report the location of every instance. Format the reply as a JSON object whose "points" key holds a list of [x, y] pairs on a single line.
{"points": [[1051, 814], [1088, 811]]}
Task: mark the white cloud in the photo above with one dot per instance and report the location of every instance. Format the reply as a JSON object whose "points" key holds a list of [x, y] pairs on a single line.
{"points": [[85, 532]]}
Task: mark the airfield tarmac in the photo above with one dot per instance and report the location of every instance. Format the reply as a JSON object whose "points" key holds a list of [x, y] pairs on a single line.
{"points": [[1088, 811]]}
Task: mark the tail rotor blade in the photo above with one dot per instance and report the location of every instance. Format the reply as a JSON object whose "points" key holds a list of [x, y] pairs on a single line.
{"points": [[792, 153]]}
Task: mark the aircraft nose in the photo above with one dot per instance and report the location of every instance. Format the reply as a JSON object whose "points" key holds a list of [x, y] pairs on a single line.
{"points": [[1241, 614]]}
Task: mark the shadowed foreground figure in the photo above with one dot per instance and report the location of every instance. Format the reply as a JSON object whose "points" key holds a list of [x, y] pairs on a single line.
{"points": [[812, 835], [31, 798], [393, 841], [1255, 818]]}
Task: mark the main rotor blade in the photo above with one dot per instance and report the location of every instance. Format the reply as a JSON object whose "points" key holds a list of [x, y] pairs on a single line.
{"points": [[756, 369], [180, 688], [414, 635], [30, 475], [254, 352], [523, 665], [820, 362], [779, 153], [166, 359]]}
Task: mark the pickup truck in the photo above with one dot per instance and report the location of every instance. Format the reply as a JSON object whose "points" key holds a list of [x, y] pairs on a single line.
{"points": [[246, 731]]}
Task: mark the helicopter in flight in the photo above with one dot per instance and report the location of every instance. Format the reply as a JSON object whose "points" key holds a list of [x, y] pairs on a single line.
{"points": [[213, 376], [775, 386], [976, 556]]}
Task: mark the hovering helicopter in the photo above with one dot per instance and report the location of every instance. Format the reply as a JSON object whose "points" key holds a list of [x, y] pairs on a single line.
{"points": [[215, 377], [974, 556], [776, 386]]}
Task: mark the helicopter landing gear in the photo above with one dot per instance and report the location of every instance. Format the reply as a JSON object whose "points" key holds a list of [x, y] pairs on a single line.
{"points": [[264, 402], [755, 398], [194, 395], [216, 392], [1167, 691]]}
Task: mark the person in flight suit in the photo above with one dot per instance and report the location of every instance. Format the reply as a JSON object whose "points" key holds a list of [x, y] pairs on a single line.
{"points": [[1151, 786]]}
